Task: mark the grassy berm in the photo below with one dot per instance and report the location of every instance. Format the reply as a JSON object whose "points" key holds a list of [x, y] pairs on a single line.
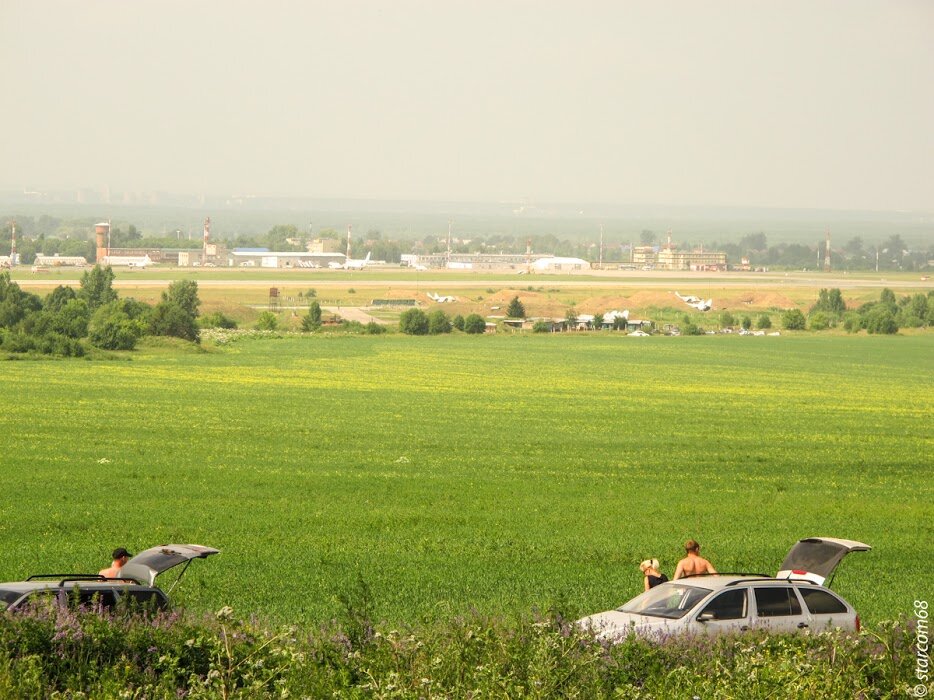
{"points": [[58, 653]]}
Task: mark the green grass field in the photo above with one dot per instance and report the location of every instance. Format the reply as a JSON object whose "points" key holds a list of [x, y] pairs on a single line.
{"points": [[497, 473]]}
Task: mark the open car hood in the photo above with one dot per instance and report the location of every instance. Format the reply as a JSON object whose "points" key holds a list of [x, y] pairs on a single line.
{"points": [[815, 558], [146, 565]]}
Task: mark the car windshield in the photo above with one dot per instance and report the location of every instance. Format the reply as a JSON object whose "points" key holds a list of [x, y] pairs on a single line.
{"points": [[670, 600]]}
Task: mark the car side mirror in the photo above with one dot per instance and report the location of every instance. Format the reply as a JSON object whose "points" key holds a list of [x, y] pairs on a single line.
{"points": [[706, 617]]}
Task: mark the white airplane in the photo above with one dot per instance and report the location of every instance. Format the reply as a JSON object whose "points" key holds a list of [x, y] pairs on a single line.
{"points": [[696, 302], [703, 305], [350, 264], [441, 299]]}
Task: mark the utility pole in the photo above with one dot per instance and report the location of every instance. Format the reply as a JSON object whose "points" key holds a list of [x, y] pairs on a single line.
{"points": [[827, 253], [13, 243], [447, 262], [601, 245]]}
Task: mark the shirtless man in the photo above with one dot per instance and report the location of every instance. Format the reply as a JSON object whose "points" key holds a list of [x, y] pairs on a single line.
{"points": [[120, 557], [693, 563]]}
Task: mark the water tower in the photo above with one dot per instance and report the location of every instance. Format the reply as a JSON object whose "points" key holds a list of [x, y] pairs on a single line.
{"points": [[102, 232]]}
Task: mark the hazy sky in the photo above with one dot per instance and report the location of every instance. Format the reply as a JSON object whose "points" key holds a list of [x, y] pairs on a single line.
{"points": [[787, 103]]}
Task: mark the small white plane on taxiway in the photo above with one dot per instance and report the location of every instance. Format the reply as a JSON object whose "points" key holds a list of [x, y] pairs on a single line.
{"points": [[441, 299]]}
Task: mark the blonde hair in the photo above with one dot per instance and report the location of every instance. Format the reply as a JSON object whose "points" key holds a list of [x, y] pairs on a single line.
{"points": [[649, 564]]}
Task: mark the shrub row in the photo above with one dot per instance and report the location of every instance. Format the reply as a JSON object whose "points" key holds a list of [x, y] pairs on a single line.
{"points": [[44, 654]]}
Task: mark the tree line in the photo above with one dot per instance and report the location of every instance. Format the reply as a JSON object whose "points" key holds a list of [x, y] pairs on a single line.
{"points": [[68, 322]]}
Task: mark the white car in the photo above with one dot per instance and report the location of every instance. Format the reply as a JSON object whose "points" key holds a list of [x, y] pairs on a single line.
{"points": [[793, 601], [137, 582]]}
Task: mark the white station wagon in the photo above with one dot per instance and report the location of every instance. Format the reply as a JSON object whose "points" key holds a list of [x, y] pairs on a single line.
{"points": [[793, 601]]}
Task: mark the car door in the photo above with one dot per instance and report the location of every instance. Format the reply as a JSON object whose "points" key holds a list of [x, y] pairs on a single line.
{"points": [[825, 610], [726, 612], [778, 609]]}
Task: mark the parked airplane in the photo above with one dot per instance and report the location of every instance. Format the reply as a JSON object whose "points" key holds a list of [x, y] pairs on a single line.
{"points": [[689, 299], [441, 299], [350, 264]]}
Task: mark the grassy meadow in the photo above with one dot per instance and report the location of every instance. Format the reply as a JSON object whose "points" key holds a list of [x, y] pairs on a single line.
{"points": [[455, 473]]}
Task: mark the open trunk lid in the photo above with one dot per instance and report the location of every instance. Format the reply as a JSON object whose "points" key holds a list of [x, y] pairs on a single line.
{"points": [[815, 558], [148, 564]]}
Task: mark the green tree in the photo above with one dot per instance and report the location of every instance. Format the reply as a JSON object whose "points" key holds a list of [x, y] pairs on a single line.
{"points": [[598, 321], [413, 322], [458, 322], [888, 299], [97, 287], [438, 322], [58, 297], [746, 323], [727, 320], [914, 312], [881, 320], [764, 322], [793, 320], [474, 324], [570, 318], [184, 294], [111, 328], [515, 309], [541, 327], [312, 320], [168, 318]]}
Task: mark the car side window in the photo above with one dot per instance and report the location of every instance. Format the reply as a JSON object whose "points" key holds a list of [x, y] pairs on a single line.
{"points": [[146, 599], [777, 601], [727, 606], [821, 602], [94, 599]]}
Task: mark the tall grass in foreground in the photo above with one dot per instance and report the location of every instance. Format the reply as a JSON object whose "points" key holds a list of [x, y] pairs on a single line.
{"points": [[60, 653]]}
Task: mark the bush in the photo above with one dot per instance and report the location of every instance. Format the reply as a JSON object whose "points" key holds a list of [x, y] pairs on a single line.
{"points": [[541, 327], [216, 320], [413, 322], [691, 329], [267, 321], [458, 322], [852, 322], [111, 328], [881, 320], [438, 322], [819, 321], [747, 323], [727, 320], [764, 322], [793, 320], [374, 328], [168, 318], [474, 324]]}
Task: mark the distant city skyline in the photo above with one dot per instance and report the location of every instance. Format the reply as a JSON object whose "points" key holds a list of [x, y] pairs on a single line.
{"points": [[792, 105]]}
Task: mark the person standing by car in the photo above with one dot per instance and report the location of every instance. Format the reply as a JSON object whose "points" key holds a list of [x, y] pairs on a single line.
{"points": [[651, 574], [693, 563], [120, 557]]}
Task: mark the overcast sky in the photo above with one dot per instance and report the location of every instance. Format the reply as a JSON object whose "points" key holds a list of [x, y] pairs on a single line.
{"points": [[786, 104]]}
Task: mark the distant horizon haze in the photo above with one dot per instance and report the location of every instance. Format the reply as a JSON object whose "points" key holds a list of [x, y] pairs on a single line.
{"points": [[796, 105]]}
